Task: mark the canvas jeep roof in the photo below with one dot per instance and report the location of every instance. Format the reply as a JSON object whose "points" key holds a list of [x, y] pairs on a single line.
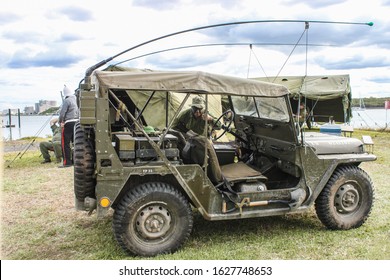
{"points": [[194, 82], [138, 83]]}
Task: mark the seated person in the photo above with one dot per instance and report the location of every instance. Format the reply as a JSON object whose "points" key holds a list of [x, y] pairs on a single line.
{"points": [[52, 145], [191, 122]]}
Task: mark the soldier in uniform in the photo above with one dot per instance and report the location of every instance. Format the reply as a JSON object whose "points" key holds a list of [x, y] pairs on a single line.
{"points": [[191, 122], [52, 145]]}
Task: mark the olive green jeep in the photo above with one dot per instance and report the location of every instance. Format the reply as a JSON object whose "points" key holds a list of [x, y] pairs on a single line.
{"points": [[129, 159]]}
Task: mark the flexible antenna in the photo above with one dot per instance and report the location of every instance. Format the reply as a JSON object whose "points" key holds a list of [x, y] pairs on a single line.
{"points": [[214, 45], [101, 63]]}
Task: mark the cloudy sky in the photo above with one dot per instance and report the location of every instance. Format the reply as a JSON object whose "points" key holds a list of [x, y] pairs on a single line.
{"points": [[46, 44]]}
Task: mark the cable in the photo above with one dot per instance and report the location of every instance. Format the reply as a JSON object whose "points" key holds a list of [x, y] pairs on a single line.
{"points": [[249, 61], [261, 66], [292, 51]]}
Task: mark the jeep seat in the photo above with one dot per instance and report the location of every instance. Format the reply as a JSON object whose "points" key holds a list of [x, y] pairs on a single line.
{"points": [[239, 172]]}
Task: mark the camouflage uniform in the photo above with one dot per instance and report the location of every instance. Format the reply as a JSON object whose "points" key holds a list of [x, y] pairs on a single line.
{"points": [[53, 145]]}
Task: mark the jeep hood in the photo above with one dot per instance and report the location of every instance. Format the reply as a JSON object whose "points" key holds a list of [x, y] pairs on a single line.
{"points": [[325, 144]]}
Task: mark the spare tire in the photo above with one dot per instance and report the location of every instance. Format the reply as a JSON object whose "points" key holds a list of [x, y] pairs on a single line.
{"points": [[84, 163]]}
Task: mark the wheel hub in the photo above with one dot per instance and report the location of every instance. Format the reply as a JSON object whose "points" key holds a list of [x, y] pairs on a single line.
{"points": [[153, 221], [347, 199]]}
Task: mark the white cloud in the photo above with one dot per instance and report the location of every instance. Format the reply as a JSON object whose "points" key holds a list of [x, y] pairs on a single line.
{"points": [[48, 43]]}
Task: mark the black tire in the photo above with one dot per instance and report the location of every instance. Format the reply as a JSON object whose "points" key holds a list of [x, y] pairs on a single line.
{"points": [[347, 199], [152, 219], [84, 164]]}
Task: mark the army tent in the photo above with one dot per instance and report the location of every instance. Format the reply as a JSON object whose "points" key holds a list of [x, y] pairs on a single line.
{"points": [[326, 96]]}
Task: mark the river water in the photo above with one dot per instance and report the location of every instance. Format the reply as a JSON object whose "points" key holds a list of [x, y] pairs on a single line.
{"points": [[29, 126], [38, 126], [371, 118]]}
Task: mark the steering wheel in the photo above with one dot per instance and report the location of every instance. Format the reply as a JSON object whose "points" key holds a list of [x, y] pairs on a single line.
{"points": [[227, 116]]}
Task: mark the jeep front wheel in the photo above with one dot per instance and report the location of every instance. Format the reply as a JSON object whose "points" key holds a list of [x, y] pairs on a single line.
{"points": [[152, 219], [346, 200]]}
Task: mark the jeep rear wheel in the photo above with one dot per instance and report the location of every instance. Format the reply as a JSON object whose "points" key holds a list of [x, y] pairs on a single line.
{"points": [[84, 164], [153, 218], [346, 200]]}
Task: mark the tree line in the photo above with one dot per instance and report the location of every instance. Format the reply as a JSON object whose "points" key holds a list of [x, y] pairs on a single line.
{"points": [[370, 102]]}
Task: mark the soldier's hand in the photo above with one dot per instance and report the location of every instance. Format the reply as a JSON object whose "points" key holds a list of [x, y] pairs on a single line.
{"points": [[53, 121], [191, 133], [207, 117]]}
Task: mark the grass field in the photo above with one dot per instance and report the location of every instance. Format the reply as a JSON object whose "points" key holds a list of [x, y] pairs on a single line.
{"points": [[39, 221]]}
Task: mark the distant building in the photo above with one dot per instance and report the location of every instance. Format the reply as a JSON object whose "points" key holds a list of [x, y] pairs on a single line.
{"points": [[29, 110], [44, 105], [39, 107]]}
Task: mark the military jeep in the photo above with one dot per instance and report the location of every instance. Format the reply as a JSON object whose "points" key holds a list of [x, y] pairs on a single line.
{"points": [[129, 159]]}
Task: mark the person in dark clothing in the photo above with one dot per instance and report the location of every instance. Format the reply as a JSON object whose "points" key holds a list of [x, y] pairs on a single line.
{"points": [[69, 115], [191, 122], [192, 118]]}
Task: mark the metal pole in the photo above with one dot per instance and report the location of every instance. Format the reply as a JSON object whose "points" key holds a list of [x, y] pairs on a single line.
{"points": [[9, 118], [19, 117]]}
